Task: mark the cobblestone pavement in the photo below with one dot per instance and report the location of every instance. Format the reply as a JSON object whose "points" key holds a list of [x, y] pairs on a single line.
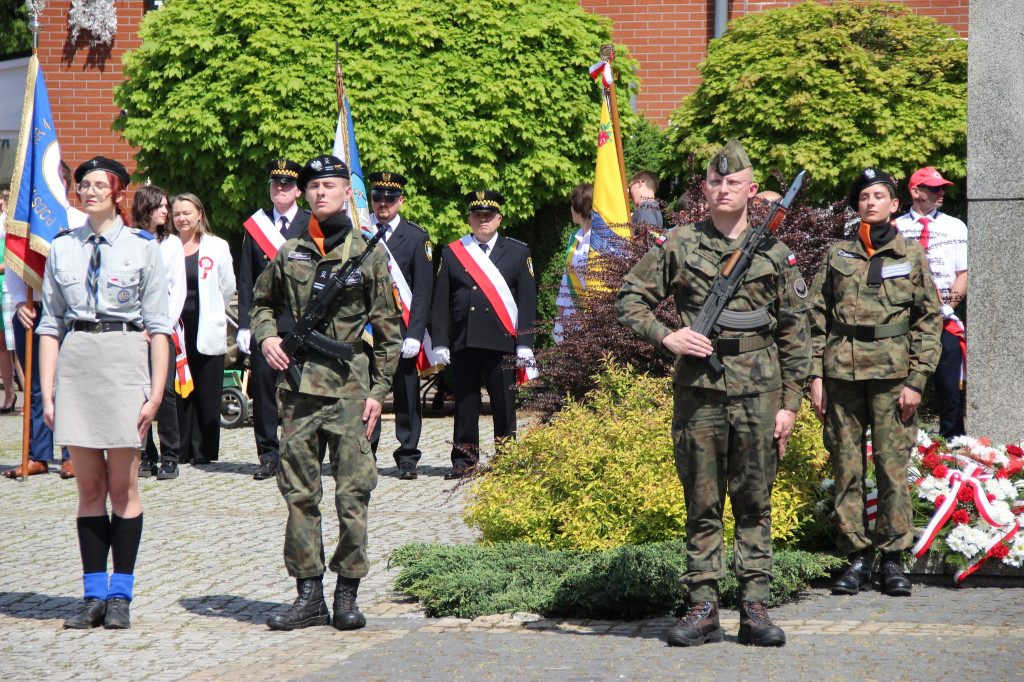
{"points": [[210, 569]]}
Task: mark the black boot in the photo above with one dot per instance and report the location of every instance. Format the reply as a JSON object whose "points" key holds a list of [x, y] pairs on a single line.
{"points": [[346, 613], [757, 628], [857, 576], [894, 583], [699, 626], [91, 615], [308, 609], [118, 616]]}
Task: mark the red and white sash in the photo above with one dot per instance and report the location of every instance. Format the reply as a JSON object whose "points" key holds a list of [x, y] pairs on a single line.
{"points": [[263, 231], [426, 359], [495, 288]]}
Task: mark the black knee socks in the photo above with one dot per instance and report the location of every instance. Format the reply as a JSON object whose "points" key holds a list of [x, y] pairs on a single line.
{"points": [[94, 545], [125, 535]]}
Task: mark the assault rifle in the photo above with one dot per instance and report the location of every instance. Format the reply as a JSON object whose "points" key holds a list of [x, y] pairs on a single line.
{"points": [[708, 320], [321, 307]]}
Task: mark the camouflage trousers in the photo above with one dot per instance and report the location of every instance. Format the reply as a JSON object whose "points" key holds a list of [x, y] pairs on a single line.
{"points": [[853, 407], [725, 444], [310, 426]]}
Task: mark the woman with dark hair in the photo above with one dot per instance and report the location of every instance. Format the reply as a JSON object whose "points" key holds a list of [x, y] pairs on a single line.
{"points": [[574, 282], [150, 212], [210, 284], [104, 290]]}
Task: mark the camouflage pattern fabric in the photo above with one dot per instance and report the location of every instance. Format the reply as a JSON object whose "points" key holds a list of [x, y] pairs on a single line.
{"points": [[684, 266], [852, 407], [286, 287], [723, 425], [726, 444], [310, 426], [907, 293]]}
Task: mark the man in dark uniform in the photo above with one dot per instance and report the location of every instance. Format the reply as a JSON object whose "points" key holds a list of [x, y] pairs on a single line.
{"points": [[409, 249], [485, 302], [292, 221]]}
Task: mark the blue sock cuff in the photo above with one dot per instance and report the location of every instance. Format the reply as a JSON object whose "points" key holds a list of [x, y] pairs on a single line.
{"points": [[121, 585], [95, 585]]}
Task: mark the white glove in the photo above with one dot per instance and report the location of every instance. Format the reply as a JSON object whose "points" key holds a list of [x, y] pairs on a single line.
{"points": [[525, 355], [243, 338], [410, 348], [443, 355]]}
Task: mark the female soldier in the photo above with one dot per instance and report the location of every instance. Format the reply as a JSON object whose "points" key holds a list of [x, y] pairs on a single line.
{"points": [[104, 284]]}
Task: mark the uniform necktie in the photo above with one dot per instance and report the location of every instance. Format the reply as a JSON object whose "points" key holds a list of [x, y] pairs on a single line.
{"points": [[485, 248], [925, 220], [93, 275], [387, 230], [283, 221]]}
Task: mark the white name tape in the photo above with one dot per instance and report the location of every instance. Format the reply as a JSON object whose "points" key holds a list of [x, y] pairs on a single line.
{"points": [[898, 270]]}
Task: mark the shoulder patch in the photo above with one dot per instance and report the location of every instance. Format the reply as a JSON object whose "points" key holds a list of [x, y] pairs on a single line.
{"points": [[661, 240], [429, 248], [529, 264], [791, 259], [421, 229], [800, 287], [144, 234]]}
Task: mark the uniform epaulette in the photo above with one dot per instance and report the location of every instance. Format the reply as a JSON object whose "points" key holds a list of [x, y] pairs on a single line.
{"points": [[144, 234], [62, 233], [513, 239], [421, 229]]}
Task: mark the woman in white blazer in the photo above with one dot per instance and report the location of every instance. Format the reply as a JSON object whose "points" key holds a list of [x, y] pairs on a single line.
{"points": [[210, 284]]}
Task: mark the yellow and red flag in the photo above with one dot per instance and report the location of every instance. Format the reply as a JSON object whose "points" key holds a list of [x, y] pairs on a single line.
{"points": [[610, 219]]}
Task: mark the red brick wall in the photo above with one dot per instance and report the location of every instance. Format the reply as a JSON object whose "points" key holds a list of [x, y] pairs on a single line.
{"points": [[670, 38], [80, 81]]}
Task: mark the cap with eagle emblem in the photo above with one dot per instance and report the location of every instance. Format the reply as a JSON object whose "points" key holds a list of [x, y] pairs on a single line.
{"points": [[484, 200]]}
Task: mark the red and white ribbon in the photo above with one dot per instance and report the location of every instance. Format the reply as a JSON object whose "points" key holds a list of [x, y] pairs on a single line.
{"points": [[603, 69]]}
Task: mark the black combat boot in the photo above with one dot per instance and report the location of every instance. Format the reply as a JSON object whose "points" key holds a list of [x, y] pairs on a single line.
{"points": [[308, 609], [757, 628], [346, 613], [699, 626], [857, 576], [90, 616], [894, 583]]}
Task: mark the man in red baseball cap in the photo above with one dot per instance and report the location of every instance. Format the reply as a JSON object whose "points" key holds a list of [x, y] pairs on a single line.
{"points": [[945, 240]]}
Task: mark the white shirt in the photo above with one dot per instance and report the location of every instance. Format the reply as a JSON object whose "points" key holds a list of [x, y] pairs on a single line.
{"points": [[489, 244], [947, 246], [392, 225], [290, 215]]}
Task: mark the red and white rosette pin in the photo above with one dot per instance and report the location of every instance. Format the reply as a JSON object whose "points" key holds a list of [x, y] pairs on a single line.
{"points": [[205, 264]]}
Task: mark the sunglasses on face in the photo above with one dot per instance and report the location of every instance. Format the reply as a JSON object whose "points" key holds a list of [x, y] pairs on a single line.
{"points": [[940, 188], [384, 198]]}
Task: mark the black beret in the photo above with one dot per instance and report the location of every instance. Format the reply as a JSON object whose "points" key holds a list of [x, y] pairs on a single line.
{"points": [[387, 182], [283, 170], [102, 163], [484, 200], [323, 166], [869, 176]]}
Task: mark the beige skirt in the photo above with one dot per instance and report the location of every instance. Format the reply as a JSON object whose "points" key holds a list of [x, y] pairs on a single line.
{"points": [[102, 384]]}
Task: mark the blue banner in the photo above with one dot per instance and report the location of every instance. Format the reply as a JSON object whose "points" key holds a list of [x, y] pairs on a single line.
{"points": [[349, 153]]}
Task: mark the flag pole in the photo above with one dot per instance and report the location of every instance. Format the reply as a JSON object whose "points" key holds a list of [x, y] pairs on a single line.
{"points": [[35, 9], [607, 55], [339, 85]]}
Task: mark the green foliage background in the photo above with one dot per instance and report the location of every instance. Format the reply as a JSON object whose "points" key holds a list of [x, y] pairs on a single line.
{"points": [[14, 33], [456, 95], [832, 88]]}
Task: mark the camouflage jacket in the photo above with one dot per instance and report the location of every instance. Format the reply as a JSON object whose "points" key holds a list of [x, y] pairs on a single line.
{"points": [[907, 293], [683, 265], [286, 286]]}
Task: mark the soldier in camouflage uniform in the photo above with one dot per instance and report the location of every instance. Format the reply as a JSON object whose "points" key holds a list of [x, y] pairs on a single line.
{"points": [[875, 331], [729, 430], [337, 403]]}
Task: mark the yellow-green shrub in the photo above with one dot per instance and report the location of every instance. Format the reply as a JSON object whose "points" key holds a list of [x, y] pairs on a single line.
{"points": [[602, 474]]}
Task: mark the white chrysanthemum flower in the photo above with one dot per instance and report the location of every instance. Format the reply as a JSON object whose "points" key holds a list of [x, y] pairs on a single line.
{"points": [[923, 439], [961, 442], [827, 483], [1001, 512], [869, 483], [1002, 488]]}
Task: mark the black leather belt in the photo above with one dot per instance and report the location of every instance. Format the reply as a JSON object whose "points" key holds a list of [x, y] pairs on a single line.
{"points": [[97, 327]]}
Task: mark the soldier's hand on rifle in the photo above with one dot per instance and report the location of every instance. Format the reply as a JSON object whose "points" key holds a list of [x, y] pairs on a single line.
{"points": [[819, 400], [371, 413], [908, 402], [276, 357], [784, 420], [688, 342]]}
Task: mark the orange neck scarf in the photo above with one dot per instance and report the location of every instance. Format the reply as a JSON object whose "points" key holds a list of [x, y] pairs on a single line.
{"points": [[317, 234], [864, 232]]}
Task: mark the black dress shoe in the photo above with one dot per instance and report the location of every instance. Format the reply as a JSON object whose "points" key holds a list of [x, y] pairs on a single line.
{"points": [[117, 614], [346, 613], [90, 616], [308, 609], [407, 472], [857, 576], [266, 470], [456, 474], [147, 468], [894, 583], [168, 470]]}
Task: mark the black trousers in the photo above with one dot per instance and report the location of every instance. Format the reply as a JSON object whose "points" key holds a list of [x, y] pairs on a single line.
{"points": [[947, 387], [471, 369], [263, 380], [166, 421], [199, 413], [408, 413]]}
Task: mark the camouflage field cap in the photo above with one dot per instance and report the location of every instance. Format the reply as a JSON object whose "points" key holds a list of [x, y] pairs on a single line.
{"points": [[732, 159]]}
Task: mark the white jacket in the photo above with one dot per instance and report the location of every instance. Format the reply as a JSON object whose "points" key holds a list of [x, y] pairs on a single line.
{"points": [[216, 287]]}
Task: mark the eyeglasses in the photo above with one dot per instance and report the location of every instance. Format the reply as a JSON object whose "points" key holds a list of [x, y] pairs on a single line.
{"points": [[940, 188], [99, 187], [732, 183], [383, 198]]}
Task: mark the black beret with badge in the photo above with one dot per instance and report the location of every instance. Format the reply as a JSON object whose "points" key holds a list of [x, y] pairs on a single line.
{"points": [[102, 163], [731, 159], [283, 170], [867, 178], [484, 200], [323, 166]]}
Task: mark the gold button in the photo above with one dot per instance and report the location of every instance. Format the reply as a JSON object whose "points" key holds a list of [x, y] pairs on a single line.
{"points": [[474, 287], [472, 308], [487, 310]]}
